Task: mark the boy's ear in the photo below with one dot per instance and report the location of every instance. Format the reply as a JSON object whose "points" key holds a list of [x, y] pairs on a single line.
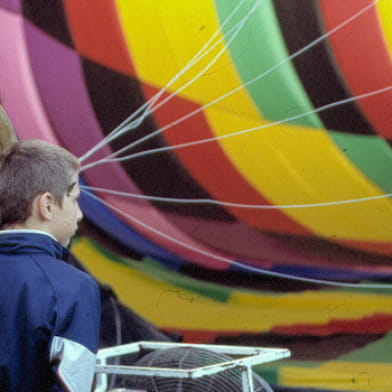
{"points": [[44, 205], [7, 132]]}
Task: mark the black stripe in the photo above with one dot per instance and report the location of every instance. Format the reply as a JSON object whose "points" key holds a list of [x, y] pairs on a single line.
{"points": [[49, 16], [300, 23], [305, 347], [330, 250], [114, 97], [249, 280]]}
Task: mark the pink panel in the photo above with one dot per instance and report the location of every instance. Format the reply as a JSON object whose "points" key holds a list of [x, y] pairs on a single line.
{"points": [[17, 86]]}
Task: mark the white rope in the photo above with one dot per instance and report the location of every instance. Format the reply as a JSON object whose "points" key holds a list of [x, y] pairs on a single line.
{"points": [[242, 266], [233, 204], [264, 74], [147, 108], [241, 132]]}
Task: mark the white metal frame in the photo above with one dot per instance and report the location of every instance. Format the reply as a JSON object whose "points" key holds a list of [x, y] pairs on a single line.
{"points": [[249, 356]]}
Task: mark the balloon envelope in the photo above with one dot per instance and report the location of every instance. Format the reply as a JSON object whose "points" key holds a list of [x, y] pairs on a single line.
{"points": [[270, 114], [266, 150]]}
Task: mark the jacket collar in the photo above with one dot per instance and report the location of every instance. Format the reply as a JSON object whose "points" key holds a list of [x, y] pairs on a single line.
{"points": [[31, 241]]}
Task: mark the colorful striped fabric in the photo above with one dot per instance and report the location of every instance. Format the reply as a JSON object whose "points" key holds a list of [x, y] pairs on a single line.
{"points": [[267, 154], [339, 338]]}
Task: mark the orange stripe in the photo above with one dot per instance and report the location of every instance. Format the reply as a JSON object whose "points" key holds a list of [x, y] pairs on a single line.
{"points": [[97, 33], [362, 55]]}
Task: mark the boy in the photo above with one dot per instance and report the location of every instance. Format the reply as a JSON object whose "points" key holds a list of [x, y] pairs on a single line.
{"points": [[49, 311]]}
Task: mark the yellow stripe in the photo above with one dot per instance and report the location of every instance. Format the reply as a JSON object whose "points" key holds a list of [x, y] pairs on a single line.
{"points": [[174, 307], [294, 165], [384, 8], [163, 36], [319, 306], [286, 164], [342, 376]]}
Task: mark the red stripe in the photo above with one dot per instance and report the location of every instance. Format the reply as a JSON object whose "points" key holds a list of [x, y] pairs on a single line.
{"points": [[212, 168], [375, 324], [378, 323], [202, 335], [97, 34], [362, 57]]}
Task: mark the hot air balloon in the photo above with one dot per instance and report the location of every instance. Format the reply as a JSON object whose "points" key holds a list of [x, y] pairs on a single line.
{"points": [[230, 145]]}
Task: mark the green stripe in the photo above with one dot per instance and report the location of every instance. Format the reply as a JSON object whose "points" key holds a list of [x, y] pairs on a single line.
{"points": [[379, 351], [155, 270], [205, 289], [371, 154], [257, 48]]}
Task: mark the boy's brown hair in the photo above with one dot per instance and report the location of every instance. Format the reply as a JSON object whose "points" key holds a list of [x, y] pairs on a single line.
{"points": [[29, 168]]}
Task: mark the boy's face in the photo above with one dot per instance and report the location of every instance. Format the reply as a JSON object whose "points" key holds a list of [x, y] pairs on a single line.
{"points": [[67, 217]]}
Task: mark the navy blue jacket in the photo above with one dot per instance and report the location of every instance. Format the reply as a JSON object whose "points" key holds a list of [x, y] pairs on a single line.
{"points": [[49, 317]]}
